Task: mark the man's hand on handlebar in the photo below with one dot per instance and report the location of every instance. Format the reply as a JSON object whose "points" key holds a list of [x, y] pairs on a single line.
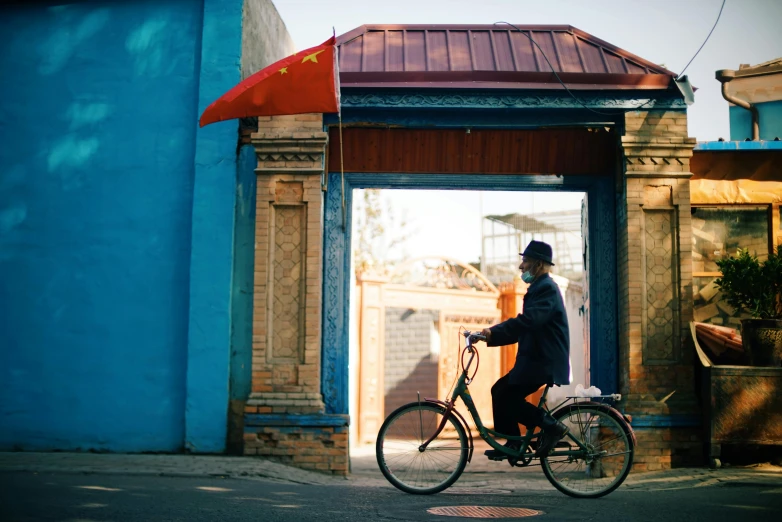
{"points": [[484, 335]]}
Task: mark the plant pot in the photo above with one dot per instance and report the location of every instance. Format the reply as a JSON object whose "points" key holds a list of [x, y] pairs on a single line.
{"points": [[762, 340]]}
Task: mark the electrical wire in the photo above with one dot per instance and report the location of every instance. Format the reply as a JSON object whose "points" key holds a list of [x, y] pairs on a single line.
{"points": [[704, 42]]}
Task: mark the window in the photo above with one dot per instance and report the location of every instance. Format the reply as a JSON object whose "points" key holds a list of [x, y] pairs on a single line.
{"points": [[717, 232]]}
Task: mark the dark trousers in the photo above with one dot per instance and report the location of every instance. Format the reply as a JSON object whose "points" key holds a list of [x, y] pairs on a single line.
{"points": [[510, 407]]}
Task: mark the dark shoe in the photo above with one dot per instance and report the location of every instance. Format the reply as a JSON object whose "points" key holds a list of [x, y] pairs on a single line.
{"points": [[494, 454], [553, 431]]}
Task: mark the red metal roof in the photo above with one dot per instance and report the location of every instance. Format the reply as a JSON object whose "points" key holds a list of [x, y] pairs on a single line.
{"points": [[493, 56]]}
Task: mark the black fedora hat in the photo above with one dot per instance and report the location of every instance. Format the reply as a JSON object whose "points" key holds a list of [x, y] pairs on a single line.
{"points": [[538, 250]]}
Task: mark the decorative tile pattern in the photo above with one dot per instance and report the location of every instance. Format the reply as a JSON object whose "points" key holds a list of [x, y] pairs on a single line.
{"points": [[603, 280], [336, 295], [287, 313], [661, 321]]}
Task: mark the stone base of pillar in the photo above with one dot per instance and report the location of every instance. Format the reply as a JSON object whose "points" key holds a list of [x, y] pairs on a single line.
{"points": [[665, 448], [286, 402], [668, 435], [317, 441]]}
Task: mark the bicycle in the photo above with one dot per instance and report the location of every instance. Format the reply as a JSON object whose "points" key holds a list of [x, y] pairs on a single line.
{"points": [[423, 447]]}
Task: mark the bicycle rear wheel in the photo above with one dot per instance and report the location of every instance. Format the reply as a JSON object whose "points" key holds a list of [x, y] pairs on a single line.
{"points": [[404, 464], [606, 462]]}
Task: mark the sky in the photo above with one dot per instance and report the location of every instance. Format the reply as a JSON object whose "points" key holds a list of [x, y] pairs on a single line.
{"points": [[666, 32]]}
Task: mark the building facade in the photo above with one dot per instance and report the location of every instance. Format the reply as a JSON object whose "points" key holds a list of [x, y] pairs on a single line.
{"points": [[737, 185], [473, 107], [760, 86], [166, 288]]}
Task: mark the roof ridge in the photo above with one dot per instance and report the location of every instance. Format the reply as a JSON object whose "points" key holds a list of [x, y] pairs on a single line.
{"points": [[769, 63]]}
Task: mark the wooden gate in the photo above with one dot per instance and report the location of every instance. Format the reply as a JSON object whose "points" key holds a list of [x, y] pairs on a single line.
{"points": [[457, 295]]}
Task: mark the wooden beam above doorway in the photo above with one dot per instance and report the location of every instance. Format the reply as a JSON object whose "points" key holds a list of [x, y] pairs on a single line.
{"points": [[569, 151]]}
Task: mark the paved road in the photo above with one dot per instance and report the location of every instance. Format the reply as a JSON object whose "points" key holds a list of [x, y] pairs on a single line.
{"points": [[28, 496]]}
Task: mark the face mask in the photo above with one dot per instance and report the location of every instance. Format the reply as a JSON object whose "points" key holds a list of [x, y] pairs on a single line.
{"points": [[527, 277]]}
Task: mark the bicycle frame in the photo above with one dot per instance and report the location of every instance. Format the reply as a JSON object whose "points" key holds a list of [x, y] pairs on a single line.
{"points": [[487, 434]]}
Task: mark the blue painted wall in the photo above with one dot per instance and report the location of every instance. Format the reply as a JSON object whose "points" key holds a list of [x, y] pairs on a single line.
{"points": [[211, 256], [114, 325], [770, 114]]}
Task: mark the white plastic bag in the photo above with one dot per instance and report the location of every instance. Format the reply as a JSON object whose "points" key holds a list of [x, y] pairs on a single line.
{"points": [[592, 391]]}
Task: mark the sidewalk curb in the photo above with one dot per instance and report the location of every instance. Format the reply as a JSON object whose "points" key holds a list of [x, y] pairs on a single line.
{"points": [[173, 474], [363, 475], [168, 465]]}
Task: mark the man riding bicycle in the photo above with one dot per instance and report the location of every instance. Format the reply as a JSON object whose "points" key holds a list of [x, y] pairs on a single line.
{"points": [[543, 356]]}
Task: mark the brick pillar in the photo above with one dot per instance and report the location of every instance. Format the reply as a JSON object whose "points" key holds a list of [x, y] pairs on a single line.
{"points": [[284, 417], [655, 290]]}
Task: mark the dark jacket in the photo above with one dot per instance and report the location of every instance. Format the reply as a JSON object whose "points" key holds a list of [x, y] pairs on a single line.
{"points": [[542, 333]]}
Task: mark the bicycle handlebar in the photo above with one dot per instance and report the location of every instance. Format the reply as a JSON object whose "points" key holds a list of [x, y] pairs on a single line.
{"points": [[472, 337]]}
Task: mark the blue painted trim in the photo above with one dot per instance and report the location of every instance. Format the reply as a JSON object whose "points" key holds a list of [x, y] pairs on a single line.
{"points": [[666, 421], [336, 298], [244, 269], [292, 419], [474, 118], [521, 99], [738, 145], [603, 290], [484, 182]]}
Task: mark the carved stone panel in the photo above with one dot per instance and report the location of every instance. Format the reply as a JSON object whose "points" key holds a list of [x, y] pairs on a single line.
{"points": [[660, 316], [289, 192], [288, 295]]}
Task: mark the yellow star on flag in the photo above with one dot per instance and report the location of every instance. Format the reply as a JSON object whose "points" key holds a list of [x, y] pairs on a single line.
{"points": [[312, 57], [284, 70]]}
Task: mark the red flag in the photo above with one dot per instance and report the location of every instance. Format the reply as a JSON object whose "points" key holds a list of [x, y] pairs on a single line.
{"points": [[301, 83]]}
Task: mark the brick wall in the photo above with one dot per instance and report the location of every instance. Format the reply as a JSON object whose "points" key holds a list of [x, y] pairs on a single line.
{"points": [[655, 287], [410, 367], [310, 447], [664, 448]]}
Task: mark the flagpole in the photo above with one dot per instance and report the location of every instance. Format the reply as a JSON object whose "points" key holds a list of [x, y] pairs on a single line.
{"points": [[342, 173], [341, 157]]}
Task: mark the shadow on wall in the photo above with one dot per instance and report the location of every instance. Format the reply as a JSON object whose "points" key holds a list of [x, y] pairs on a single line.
{"points": [[423, 379], [412, 347]]}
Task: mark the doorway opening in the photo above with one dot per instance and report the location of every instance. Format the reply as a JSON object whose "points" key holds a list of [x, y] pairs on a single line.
{"points": [[425, 263], [600, 290]]}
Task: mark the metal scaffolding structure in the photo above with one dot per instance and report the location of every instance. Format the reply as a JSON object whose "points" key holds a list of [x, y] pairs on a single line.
{"points": [[503, 237]]}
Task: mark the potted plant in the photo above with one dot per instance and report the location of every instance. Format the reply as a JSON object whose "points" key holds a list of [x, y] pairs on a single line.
{"points": [[755, 288]]}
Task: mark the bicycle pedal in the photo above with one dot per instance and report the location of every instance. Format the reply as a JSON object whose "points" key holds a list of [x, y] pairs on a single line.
{"points": [[496, 458]]}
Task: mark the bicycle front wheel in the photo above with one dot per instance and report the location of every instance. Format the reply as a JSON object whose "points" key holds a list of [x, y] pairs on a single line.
{"points": [[399, 454], [603, 465]]}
